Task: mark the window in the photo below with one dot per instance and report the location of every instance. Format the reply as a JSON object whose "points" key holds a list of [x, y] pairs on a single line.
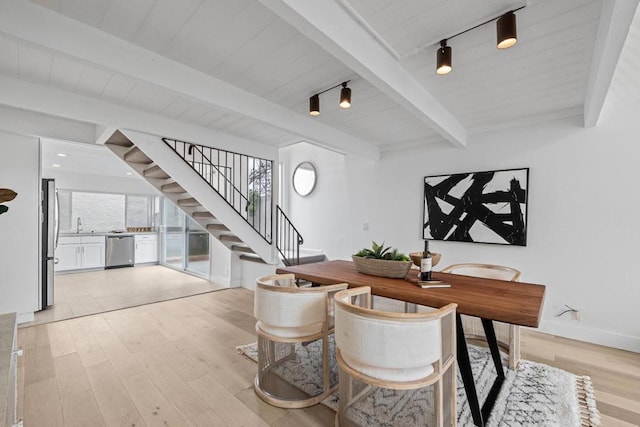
{"points": [[142, 211], [102, 212]]}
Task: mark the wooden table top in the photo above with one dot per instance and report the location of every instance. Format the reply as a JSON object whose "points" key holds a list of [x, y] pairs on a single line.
{"points": [[517, 303]]}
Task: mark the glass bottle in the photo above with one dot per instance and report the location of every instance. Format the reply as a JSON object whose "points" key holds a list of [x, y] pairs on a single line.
{"points": [[425, 263]]}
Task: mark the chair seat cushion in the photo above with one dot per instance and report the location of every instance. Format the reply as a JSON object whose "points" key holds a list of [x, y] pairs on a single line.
{"points": [[290, 332], [390, 374]]}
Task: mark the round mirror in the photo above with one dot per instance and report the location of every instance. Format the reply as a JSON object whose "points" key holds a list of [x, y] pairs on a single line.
{"points": [[304, 179]]}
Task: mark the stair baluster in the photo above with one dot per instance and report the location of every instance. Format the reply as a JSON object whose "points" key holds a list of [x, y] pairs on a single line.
{"points": [[288, 239], [243, 181]]}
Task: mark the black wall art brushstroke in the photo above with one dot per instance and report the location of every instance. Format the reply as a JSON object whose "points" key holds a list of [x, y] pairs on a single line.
{"points": [[483, 207]]}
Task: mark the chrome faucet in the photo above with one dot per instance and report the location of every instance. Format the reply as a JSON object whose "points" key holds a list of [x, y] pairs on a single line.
{"points": [[78, 225]]}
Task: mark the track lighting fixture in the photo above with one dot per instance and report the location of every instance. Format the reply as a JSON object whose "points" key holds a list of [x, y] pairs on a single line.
{"points": [[506, 30], [345, 98], [314, 105], [443, 58], [507, 36]]}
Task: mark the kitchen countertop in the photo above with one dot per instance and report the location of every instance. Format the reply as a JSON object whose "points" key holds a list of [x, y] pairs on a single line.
{"points": [[7, 329], [126, 233]]}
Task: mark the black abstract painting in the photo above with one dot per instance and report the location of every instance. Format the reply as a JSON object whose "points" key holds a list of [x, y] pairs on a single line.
{"points": [[484, 207]]}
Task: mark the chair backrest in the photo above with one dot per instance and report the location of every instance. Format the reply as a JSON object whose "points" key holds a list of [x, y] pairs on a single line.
{"points": [[284, 280], [391, 346], [489, 271], [285, 310]]}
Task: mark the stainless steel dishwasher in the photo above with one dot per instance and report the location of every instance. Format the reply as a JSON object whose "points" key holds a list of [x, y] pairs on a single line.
{"points": [[119, 251]]}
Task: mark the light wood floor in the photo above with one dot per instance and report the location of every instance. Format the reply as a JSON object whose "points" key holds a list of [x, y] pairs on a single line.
{"points": [[82, 293], [174, 363]]}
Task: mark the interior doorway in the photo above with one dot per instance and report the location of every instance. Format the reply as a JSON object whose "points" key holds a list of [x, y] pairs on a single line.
{"points": [[99, 195]]}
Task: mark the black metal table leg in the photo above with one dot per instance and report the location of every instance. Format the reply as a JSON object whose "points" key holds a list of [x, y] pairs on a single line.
{"points": [[479, 415], [492, 341], [467, 375]]}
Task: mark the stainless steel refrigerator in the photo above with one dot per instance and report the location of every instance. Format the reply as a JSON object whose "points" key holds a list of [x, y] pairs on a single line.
{"points": [[49, 232]]}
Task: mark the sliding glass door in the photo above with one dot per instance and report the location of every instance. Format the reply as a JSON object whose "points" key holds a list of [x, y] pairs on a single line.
{"points": [[173, 236], [198, 259], [185, 242]]}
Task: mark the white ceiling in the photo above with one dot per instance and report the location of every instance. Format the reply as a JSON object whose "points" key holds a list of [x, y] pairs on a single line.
{"points": [[79, 158], [244, 70]]}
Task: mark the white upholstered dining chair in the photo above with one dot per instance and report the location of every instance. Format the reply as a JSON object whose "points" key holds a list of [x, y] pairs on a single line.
{"points": [[293, 327], [508, 335], [395, 368]]}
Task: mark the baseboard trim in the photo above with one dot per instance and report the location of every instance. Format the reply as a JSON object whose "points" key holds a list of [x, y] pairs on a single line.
{"points": [[236, 284], [221, 280], [26, 317], [594, 336], [251, 286]]}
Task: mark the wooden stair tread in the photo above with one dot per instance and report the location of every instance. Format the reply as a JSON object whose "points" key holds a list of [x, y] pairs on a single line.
{"points": [[117, 138], [309, 259], [126, 143], [240, 248], [190, 202], [155, 171], [252, 258], [229, 238], [203, 215], [135, 155], [172, 187], [217, 227]]}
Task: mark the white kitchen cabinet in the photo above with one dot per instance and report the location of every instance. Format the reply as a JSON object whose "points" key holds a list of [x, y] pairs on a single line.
{"points": [[80, 252], [146, 248], [92, 255], [68, 256]]}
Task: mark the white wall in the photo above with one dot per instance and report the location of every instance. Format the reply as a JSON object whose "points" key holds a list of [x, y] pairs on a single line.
{"points": [[583, 207], [582, 231], [328, 216], [220, 262], [19, 245], [250, 271]]}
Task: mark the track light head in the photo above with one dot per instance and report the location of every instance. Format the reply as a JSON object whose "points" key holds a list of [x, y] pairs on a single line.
{"points": [[506, 30], [443, 59], [314, 105], [345, 96]]}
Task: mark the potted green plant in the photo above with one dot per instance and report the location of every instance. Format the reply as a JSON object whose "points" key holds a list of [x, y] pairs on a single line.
{"points": [[382, 261]]}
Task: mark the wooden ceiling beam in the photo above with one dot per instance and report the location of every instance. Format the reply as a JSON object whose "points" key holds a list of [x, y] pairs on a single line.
{"points": [[60, 103], [615, 22], [38, 25], [329, 25]]}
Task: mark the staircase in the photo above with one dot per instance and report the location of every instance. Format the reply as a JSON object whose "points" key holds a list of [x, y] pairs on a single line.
{"points": [[239, 215], [159, 163]]}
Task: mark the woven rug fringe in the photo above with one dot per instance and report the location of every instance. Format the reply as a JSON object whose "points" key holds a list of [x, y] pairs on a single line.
{"points": [[589, 414]]}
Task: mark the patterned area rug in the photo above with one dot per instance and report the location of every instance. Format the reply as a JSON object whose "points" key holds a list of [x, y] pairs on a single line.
{"points": [[533, 395]]}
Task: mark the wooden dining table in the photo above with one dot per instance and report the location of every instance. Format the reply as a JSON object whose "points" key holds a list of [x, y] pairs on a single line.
{"points": [[491, 300]]}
